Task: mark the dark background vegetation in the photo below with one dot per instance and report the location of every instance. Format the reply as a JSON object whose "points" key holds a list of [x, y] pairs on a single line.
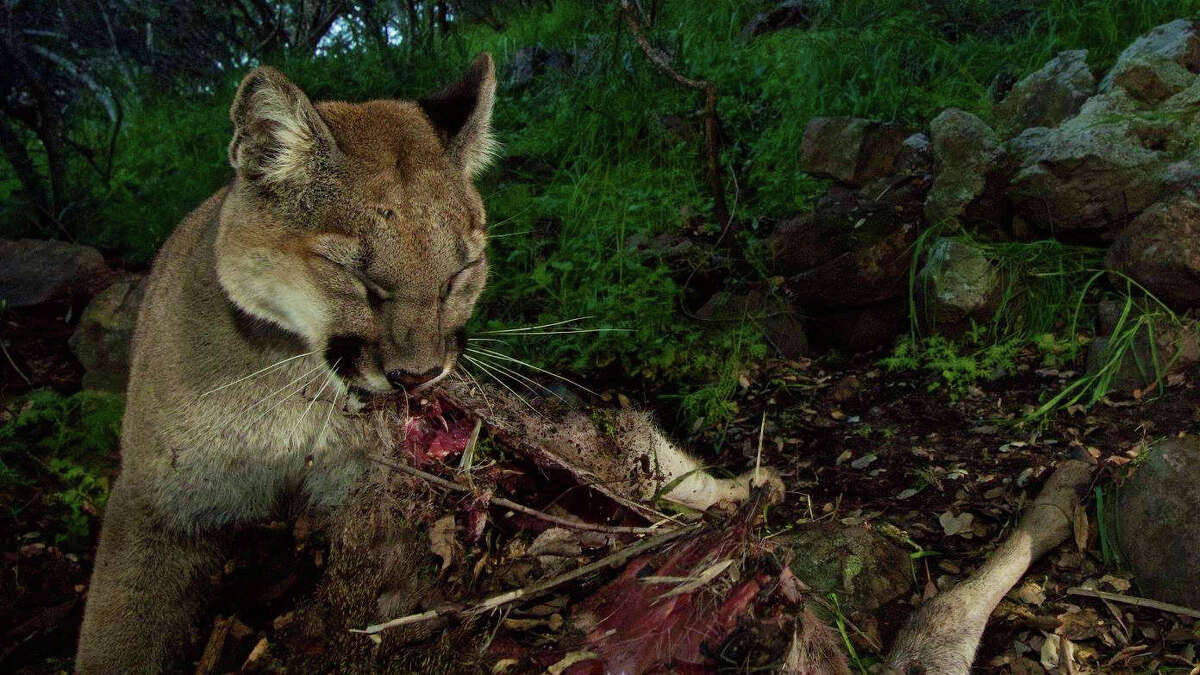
{"points": [[113, 122]]}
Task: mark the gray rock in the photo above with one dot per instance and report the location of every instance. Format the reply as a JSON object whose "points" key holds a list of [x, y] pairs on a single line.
{"points": [[1160, 249], [102, 339], [958, 283], [1047, 96], [866, 570], [33, 271], [1087, 178], [1158, 530], [1177, 41], [967, 150], [1151, 79], [851, 150]]}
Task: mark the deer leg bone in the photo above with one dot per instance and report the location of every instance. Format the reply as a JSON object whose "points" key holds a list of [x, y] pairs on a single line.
{"points": [[941, 637]]}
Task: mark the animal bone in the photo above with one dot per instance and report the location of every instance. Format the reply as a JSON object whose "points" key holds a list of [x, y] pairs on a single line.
{"points": [[941, 637], [630, 462]]}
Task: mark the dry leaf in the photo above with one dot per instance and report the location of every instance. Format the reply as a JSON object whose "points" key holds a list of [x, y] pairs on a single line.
{"points": [[442, 541], [952, 524], [1081, 528], [1081, 625], [1051, 652], [1118, 584], [1029, 593]]}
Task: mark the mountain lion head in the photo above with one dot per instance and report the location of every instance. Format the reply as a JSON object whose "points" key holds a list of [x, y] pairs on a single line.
{"points": [[357, 227]]}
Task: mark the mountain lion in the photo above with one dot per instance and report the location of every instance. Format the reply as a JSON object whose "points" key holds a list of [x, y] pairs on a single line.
{"points": [[341, 262]]}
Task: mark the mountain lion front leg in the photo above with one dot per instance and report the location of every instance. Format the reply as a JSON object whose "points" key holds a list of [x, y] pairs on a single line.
{"points": [[146, 591]]}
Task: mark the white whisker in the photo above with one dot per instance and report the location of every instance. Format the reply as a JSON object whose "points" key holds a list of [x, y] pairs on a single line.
{"points": [[506, 357], [528, 328], [523, 379], [258, 372], [328, 378], [488, 371], [571, 332]]}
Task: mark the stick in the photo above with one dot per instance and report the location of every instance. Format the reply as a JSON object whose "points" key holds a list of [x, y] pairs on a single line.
{"points": [[521, 508], [1134, 600], [536, 589], [660, 59]]}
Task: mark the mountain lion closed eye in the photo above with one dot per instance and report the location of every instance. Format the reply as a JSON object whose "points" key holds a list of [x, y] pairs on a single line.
{"points": [[342, 261]]}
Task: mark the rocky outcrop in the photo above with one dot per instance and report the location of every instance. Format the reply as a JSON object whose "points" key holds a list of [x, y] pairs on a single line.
{"points": [[34, 271], [1177, 42], [1158, 530], [1160, 249], [101, 341], [1111, 164], [1087, 178], [1047, 96]]}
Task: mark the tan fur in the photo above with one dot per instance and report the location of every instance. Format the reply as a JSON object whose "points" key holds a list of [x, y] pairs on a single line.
{"points": [[351, 238]]}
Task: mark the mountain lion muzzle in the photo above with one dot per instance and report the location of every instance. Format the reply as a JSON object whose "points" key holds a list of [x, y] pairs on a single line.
{"points": [[345, 257]]}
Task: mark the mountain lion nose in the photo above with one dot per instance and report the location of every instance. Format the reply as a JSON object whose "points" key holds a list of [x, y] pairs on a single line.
{"points": [[402, 378]]}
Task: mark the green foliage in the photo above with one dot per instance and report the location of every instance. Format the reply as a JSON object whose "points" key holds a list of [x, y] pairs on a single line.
{"points": [[69, 443], [957, 366], [609, 150]]}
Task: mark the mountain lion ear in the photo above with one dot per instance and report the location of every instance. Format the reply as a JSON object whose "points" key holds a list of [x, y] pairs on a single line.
{"points": [[462, 114], [279, 140]]}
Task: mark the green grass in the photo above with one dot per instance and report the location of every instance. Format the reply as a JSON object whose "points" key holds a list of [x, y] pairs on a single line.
{"points": [[589, 160]]}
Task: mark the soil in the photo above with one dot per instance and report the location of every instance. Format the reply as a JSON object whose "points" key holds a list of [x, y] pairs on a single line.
{"points": [[854, 443]]}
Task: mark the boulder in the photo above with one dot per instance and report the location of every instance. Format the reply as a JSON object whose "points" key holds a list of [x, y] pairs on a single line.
{"points": [[1151, 79], [851, 150], [101, 341], [792, 14], [1160, 249], [1177, 41], [848, 224], [863, 568], [875, 272], [33, 271], [1087, 178], [958, 283], [1157, 527], [970, 179], [799, 244], [1047, 96]]}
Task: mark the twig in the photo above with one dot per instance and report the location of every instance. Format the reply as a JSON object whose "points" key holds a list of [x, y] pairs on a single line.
{"points": [[4, 348], [1134, 600], [521, 508], [535, 589], [711, 123]]}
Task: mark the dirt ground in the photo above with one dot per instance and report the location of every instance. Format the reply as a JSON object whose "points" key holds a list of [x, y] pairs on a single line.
{"points": [[854, 443]]}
